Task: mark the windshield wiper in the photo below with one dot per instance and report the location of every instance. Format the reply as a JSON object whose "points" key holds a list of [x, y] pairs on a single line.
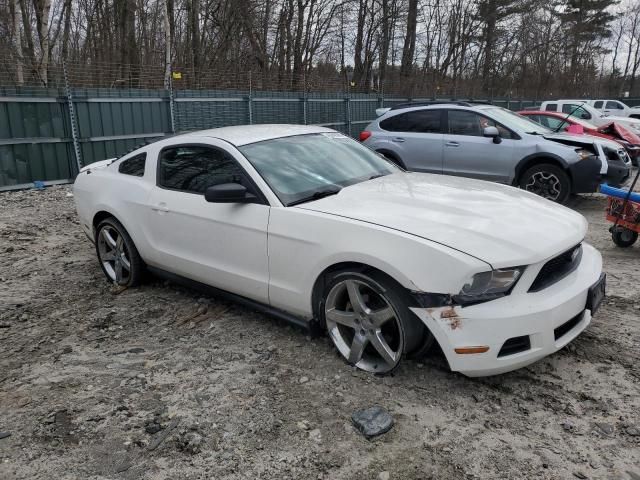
{"points": [[316, 196], [564, 120]]}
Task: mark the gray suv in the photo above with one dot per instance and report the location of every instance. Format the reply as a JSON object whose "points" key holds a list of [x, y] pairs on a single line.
{"points": [[485, 142]]}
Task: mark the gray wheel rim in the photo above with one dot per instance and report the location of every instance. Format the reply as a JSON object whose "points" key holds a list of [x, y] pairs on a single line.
{"points": [[114, 255], [364, 326], [545, 184]]}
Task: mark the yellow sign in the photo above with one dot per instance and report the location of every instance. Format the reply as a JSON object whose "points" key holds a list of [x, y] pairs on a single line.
{"points": [[177, 75]]}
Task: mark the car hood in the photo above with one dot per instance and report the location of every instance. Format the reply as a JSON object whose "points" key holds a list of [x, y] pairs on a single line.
{"points": [[501, 225], [625, 120], [583, 139]]}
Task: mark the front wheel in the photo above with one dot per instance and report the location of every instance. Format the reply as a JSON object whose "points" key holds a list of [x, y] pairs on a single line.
{"points": [[117, 254], [548, 181], [369, 322], [623, 237]]}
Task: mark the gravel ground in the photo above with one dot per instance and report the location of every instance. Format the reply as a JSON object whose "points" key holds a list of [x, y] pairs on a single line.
{"points": [[159, 382]]}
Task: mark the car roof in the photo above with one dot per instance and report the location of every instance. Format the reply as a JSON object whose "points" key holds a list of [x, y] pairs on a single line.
{"points": [[453, 105], [244, 134]]}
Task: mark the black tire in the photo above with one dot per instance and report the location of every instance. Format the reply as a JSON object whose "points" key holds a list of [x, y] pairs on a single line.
{"points": [[547, 180], [136, 264], [404, 333], [623, 237]]}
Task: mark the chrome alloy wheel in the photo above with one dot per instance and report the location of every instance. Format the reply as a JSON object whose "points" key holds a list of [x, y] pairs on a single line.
{"points": [[114, 255], [545, 184], [364, 326]]}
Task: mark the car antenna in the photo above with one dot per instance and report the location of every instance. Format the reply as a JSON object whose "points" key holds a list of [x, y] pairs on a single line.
{"points": [[557, 129]]}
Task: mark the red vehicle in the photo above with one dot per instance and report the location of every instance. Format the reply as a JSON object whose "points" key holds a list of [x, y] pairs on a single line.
{"points": [[612, 131]]}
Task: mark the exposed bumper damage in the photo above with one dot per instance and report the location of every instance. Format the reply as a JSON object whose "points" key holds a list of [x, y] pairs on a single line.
{"points": [[479, 340]]}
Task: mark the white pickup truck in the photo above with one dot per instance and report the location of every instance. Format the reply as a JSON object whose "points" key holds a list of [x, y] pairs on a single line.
{"points": [[582, 109], [615, 107]]}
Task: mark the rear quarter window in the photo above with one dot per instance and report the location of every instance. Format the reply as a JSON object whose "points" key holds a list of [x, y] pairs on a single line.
{"points": [[417, 121], [551, 107], [133, 166]]}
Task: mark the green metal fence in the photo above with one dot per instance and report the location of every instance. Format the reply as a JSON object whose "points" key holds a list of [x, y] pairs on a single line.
{"points": [[48, 134]]}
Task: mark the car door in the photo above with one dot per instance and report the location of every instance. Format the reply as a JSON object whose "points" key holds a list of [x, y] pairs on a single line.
{"points": [[416, 137], [468, 153], [220, 244], [614, 108]]}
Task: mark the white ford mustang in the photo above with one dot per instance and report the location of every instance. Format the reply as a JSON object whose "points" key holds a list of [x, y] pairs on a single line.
{"points": [[309, 225]]}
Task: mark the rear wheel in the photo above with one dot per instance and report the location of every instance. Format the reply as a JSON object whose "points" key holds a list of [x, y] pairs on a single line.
{"points": [[117, 254], [368, 320], [623, 237], [548, 181]]}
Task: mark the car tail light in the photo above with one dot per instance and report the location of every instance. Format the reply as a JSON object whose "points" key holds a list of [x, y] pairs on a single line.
{"points": [[364, 135]]}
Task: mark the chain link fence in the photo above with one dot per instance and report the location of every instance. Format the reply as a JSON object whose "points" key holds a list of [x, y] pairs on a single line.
{"points": [[53, 121]]}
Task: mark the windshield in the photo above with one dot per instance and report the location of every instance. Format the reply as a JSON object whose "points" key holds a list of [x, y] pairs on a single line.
{"points": [[515, 121], [303, 167], [584, 123]]}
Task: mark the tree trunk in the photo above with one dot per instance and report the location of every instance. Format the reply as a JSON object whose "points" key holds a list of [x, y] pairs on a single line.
{"points": [[67, 27], [167, 45], [358, 66], [17, 41], [408, 51], [42, 8], [384, 44], [490, 14]]}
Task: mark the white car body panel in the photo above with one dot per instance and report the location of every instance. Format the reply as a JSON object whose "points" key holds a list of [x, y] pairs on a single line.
{"points": [[428, 232], [480, 218], [521, 313], [598, 118], [622, 110]]}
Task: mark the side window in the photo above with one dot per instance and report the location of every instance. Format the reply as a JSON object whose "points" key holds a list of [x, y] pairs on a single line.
{"points": [[419, 121], [424, 121], [193, 168], [598, 104], [555, 123], [551, 107], [576, 111], [614, 106], [397, 123], [534, 118], [462, 122], [134, 165]]}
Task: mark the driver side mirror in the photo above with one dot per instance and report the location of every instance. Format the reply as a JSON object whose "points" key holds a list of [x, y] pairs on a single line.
{"points": [[585, 116], [229, 193], [492, 132]]}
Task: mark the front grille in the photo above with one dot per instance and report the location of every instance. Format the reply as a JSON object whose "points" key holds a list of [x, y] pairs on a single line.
{"points": [[557, 268], [515, 345], [566, 327]]}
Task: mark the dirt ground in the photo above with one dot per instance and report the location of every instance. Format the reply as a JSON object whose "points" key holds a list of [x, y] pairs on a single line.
{"points": [[159, 382]]}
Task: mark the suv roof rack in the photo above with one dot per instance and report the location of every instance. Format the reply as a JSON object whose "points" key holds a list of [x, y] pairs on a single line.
{"points": [[440, 102]]}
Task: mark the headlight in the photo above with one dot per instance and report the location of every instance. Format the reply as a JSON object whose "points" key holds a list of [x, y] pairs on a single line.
{"points": [[582, 153], [485, 286]]}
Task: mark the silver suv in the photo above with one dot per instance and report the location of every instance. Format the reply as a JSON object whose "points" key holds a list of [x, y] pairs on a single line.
{"points": [[485, 142]]}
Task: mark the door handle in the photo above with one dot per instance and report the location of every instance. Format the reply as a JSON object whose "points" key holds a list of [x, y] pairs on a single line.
{"points": [[397, 139], [161, 207], [452, 144]]}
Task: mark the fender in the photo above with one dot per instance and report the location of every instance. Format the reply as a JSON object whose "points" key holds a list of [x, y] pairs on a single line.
{"points": [[534, 158], [392, 155]]}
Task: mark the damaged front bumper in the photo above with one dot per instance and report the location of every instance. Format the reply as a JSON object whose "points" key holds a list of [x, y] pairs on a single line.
{"points": [[518, 329]]}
